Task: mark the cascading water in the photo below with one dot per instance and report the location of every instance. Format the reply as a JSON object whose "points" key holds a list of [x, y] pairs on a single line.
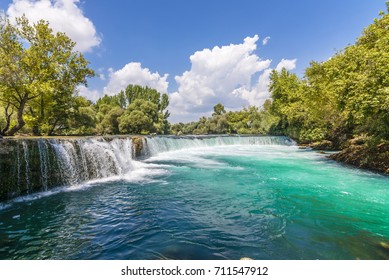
{"points": [[18, 163], [27, 178], [156, 145], [82, 160], [41, 164], [44, 163]]}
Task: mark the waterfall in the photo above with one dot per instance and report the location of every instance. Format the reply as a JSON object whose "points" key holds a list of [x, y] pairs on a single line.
{"points": [[33, 165], [44, 163], [159, 144], [27, 168], [18, 167], [84, 159]]}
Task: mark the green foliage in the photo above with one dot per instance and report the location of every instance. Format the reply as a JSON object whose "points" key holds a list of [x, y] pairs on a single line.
{"points": [[136, 110], [109, 123], [218, 110], [135, 122], [39, 72], [249, 120], [344, 96]]}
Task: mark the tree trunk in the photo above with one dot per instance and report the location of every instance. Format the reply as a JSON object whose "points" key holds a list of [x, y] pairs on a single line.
{"points": [[51, 131], [20, 120], [8, 120]]}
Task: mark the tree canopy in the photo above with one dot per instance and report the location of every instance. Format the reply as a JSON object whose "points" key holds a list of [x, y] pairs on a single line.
{"points": [[39, 73], [345, 96], [135, 110]]}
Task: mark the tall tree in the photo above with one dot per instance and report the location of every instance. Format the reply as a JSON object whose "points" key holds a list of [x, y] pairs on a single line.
{"points": [[38, 70], [143, 110]]}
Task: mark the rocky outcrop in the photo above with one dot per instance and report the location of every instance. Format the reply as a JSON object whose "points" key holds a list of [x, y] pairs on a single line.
{"points": [[24, 167], [360, 155], [323, 145], [137, 142]]}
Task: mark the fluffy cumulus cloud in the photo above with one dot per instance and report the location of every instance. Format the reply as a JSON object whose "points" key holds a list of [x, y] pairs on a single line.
{"points": [[232, 75], [133, 73], [288, 64], [63, 16]]}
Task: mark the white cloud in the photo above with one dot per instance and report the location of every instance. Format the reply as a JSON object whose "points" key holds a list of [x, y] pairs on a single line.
{"points": [[288, 64], [92, 95], [224, 74], [133, 73], [265, 40], [258, 93], [63, 16]]}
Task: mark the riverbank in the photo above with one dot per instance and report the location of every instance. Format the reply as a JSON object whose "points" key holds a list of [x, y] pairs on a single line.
{"points": [[362, 156], [358, 153]]}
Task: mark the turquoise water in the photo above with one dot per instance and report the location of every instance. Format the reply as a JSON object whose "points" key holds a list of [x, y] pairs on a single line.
{"points": [[222, 202]]}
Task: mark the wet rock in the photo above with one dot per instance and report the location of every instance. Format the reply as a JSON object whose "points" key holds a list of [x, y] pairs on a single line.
{"points": [[137, 142], [323, 145], [362, 156]]}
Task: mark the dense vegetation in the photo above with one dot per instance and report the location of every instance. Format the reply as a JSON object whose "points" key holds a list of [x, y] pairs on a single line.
{"points": [[39, 72], [344, 97], [250, 120], [136, 110], [39, 75], [339, 99]]}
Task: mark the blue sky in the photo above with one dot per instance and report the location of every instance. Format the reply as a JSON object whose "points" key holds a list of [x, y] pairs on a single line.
{"points": [[200, 52]]}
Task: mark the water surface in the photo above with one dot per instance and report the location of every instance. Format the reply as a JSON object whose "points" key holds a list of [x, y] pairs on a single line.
{"points": [[208, 202]]}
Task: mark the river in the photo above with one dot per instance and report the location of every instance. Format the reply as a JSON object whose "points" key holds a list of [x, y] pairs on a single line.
{"points": [[213, 198]]}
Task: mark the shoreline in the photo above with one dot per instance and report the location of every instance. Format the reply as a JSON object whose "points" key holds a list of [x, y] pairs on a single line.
{"points": [[357, 155]]}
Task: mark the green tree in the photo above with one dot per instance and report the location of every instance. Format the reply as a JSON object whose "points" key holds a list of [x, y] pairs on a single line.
{"points": [[149, 101], [83, 118], [37, 68], [218, 110], [110, 122], [135, 122], [141, 117]]}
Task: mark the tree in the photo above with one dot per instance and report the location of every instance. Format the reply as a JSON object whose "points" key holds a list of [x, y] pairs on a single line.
{"points": [[218, 109], [38, 70], [343, 97], [149, 104], [83, 118], [110, 122]]}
